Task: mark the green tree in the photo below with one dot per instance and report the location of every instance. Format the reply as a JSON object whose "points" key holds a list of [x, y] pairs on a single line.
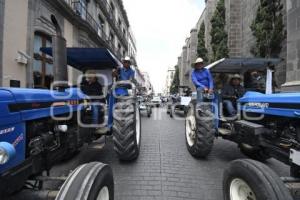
{"points": [[201, 49], [219, 36], [268, 29], [175, 81]]}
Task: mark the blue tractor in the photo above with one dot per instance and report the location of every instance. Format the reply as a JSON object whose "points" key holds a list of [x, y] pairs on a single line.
{"points": [[267, 124], [39, 128]]}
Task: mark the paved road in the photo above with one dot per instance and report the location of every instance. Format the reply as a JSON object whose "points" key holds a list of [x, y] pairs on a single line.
{"points": [[165, 169]]}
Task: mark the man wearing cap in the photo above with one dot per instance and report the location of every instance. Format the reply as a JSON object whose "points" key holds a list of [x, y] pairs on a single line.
{"points": [[202, 79], [231, 93]]}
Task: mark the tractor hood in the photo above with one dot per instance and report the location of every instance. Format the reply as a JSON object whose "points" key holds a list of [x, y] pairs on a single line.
{"points": [[279, 104], [25, 95], [31, 104], [284, 98], [6, 98]]}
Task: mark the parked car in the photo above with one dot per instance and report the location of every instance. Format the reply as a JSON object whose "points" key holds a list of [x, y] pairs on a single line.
{"points": [[180, 103], [156, 101], [145, 106]]}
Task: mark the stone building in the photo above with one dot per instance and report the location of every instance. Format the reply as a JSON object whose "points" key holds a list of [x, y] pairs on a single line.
{"points": [[169, 79], [25, 26], [293, 46], [148, 84], [239, 17]]}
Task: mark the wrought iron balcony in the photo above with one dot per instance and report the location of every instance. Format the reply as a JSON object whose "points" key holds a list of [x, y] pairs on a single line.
{"points": [[108, 11], [80, 9]]}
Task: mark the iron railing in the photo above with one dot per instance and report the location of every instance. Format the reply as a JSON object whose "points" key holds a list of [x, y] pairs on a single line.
{"points": [[110, 14], [80, 9]]}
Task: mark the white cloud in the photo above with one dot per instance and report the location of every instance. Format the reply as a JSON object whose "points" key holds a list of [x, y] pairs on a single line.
{"points": [[161, 27]]}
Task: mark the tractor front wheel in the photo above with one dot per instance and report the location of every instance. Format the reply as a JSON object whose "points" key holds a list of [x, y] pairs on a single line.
{"points": [[199, 130], [249, 179], [127, 130], [92, 181]]}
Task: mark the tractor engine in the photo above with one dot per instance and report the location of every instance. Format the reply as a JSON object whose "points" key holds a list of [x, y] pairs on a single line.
{"points": [[51, 140], [285, 133]]}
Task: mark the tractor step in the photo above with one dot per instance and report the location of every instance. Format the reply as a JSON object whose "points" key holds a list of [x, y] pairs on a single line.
{"points": [[223, 131]]}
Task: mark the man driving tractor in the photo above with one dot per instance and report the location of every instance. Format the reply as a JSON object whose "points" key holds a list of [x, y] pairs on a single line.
{"points": [[202, 79]]}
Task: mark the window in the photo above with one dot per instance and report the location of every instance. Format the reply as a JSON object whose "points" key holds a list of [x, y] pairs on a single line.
{"points": [[111, 37], [81, 8], [43, 71], [102, 22], [112, 10]]}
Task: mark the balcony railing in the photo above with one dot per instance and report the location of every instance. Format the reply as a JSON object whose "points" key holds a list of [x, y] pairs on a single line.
{"points": [[110, 14], [80, 9]]}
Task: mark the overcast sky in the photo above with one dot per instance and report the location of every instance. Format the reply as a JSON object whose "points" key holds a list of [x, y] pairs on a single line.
{"points": [[160, 28]]}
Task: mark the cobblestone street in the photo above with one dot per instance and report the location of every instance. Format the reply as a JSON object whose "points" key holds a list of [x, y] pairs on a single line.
{"points": [[165, 169]]}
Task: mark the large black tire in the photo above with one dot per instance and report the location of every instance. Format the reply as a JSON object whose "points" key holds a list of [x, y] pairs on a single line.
{"points": [[200, 141], [253, 179], [127, 130], [254, 153], [88, 182]]}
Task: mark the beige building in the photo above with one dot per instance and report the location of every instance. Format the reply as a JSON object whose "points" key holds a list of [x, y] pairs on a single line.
{"points": [[25, 26], [148, 84]]}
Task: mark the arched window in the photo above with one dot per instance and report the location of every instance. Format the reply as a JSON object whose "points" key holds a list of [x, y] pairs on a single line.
{"points": [[43, 72]]}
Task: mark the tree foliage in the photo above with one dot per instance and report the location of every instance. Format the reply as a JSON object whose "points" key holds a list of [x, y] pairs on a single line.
{"points": [[175, 81], [219, 36], [201, 49], [268, 29]]}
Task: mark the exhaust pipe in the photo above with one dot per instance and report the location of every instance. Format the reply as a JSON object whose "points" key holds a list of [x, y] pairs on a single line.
{"points": [[59, 54]]}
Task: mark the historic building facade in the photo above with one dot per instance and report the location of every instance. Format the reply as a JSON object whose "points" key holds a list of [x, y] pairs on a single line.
{"points": [[169, 79], [25, 26], [239, 17]]}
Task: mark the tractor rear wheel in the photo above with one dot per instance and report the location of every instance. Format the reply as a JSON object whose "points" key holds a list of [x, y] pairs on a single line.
{"points": [[98, 183], [127, 129], [199, 130]]}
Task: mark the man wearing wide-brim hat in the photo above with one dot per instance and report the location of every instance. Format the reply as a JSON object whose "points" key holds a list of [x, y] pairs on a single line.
{"points": [[202, 78], [125, 73], [231, 93]]}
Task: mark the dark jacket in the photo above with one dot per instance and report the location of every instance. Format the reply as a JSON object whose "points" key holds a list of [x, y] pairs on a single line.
{"points": [[233, 92], [91, 89]]}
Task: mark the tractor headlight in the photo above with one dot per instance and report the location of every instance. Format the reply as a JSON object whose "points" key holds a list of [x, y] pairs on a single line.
{"points": [[7, 152], [3, 156]]}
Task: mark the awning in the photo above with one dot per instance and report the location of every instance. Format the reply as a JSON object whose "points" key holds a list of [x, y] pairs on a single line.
{"points": [[88, 58], [240, 65]]}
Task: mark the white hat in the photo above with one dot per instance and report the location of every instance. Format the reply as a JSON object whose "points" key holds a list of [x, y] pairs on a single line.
{"points": [[127, 58], [199, 60]]}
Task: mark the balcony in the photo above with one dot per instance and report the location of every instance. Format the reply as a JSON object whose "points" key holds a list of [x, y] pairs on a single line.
{"points": [[107, 9], [80, 10]]}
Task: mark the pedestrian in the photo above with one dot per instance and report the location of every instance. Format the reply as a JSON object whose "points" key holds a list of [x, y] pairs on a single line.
{"points": [[202, 79]]}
